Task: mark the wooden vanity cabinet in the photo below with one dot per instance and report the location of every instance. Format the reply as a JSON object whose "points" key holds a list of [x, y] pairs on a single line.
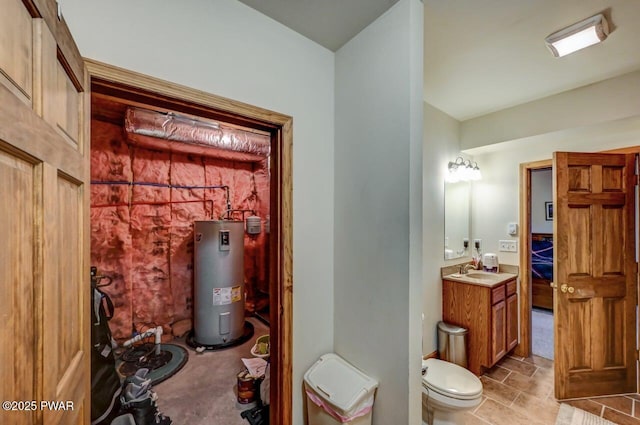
{"points": [[489, 313]]}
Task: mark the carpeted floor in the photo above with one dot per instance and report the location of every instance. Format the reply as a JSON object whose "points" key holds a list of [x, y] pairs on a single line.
{"points": [[204, 391], [542, 333], [569, 415]]}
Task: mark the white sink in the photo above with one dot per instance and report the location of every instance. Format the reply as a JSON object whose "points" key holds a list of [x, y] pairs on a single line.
{"points": [[481, 276]]}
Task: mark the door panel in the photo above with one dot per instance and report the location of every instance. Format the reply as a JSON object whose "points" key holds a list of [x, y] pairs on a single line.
{"points": [[17, 225], [498, 331], [512, 322], [614, 314], [16, 49], [612, 239], [579, 229], [595, 274], [580, 337], [68, 106], [62, 313]]}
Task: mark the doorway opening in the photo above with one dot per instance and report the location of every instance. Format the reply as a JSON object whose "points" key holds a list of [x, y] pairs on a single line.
{"points": [[541, 260], [527, 214], [266, 192]]}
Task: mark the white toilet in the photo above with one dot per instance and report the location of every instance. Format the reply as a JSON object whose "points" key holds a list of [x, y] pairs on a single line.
{"points": [[447, 391]]}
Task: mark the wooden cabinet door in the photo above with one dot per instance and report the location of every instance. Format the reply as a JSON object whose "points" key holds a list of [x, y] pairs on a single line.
{"points": [[512, 322], [498, 331], [595, 274], [44, 170]]}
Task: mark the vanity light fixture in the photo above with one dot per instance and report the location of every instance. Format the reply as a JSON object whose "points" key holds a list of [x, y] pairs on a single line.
{"points": [[583, 34], [463, 170]]}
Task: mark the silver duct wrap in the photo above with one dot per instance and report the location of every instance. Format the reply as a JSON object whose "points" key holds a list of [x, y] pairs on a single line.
{"points": [[180, 133]]}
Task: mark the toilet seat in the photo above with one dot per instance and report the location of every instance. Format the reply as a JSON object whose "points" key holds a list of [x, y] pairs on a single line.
{"points": [[451, 380]]}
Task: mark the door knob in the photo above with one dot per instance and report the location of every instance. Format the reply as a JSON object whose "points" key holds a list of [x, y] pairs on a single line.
{"points": [[566, 288], [553, 285]]}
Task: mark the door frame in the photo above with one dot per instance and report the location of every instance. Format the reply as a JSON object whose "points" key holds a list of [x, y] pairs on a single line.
{"points": [[523, 348], [281, 128]]}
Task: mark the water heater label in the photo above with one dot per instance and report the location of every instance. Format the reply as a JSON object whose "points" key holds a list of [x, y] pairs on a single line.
{"points": [[235, 294], [221, 296], [225, 296]]}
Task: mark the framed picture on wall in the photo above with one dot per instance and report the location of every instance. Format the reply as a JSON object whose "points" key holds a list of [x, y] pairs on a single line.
{"points": [[548, 211]]}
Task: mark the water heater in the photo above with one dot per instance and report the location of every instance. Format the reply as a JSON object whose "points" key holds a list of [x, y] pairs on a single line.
{"points": [[218, 282]]}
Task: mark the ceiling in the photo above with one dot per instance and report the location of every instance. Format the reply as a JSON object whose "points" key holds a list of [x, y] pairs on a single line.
{"points": [[330, 23], [482, 56], [486, 55]]}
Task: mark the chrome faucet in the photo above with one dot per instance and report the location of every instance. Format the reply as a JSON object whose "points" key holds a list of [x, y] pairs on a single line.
{"points": [[465, 269]]}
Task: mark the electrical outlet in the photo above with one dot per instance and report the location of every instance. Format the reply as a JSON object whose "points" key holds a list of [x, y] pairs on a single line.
{"points": [[477, 243], [508, 246]]}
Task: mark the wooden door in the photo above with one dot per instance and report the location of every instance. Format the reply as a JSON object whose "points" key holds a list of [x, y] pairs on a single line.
{"points": [[44, 289], [594, 274]]}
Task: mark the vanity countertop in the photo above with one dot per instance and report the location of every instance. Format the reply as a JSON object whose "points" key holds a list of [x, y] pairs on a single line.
{"points": [[481, 278]]}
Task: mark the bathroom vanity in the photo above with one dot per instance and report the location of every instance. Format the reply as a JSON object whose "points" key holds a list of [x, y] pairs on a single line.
{"points": [[487, 305]]}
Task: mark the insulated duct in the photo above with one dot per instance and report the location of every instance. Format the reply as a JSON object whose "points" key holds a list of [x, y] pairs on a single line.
{"points": [[184, 134]]}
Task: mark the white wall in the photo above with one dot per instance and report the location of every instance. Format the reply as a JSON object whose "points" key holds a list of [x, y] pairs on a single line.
{"points": [[496, 197], [378, 127], [609, 100], [416, 212], [541, 192], [441, 145], [228, 49]]}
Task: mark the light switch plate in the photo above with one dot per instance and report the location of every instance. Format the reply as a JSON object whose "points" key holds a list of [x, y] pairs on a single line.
{"points": [[508, 246]]}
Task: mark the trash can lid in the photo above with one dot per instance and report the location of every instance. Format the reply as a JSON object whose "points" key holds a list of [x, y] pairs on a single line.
{"points": [[339, 383], [451, 329]]}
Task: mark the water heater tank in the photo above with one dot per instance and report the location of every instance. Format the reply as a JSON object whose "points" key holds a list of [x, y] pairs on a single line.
{"points": [[218, 282]]}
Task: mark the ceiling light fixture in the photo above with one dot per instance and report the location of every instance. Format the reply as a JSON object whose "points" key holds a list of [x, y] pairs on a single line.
{"points": [[583, 34]]}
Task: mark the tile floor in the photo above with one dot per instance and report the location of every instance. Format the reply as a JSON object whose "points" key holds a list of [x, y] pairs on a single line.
{"points": [[520, 391]]}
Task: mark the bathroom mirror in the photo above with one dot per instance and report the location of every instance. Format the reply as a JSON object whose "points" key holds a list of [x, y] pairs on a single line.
{"points": [[456, 219]]}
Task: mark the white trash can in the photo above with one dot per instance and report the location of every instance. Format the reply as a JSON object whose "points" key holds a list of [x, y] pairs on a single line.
{"points": [[338, 393]]}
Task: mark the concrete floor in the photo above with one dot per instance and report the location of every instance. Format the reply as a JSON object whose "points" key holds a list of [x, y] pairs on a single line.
{"points": [[204, 391]]}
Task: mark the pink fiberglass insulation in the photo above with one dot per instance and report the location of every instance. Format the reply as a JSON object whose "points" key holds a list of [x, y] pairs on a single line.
{"points": [[142, 234], [111, 253], [182, 217], [110, 161], [181, 262], [185, 170], [150, 230], [150, 167]]}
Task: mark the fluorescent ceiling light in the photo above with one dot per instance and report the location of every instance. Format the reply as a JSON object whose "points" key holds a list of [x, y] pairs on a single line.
{"points": [[578, 36]]}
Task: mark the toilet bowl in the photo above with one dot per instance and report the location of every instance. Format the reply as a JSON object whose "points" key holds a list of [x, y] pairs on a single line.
{"points": [[448, 390]]}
